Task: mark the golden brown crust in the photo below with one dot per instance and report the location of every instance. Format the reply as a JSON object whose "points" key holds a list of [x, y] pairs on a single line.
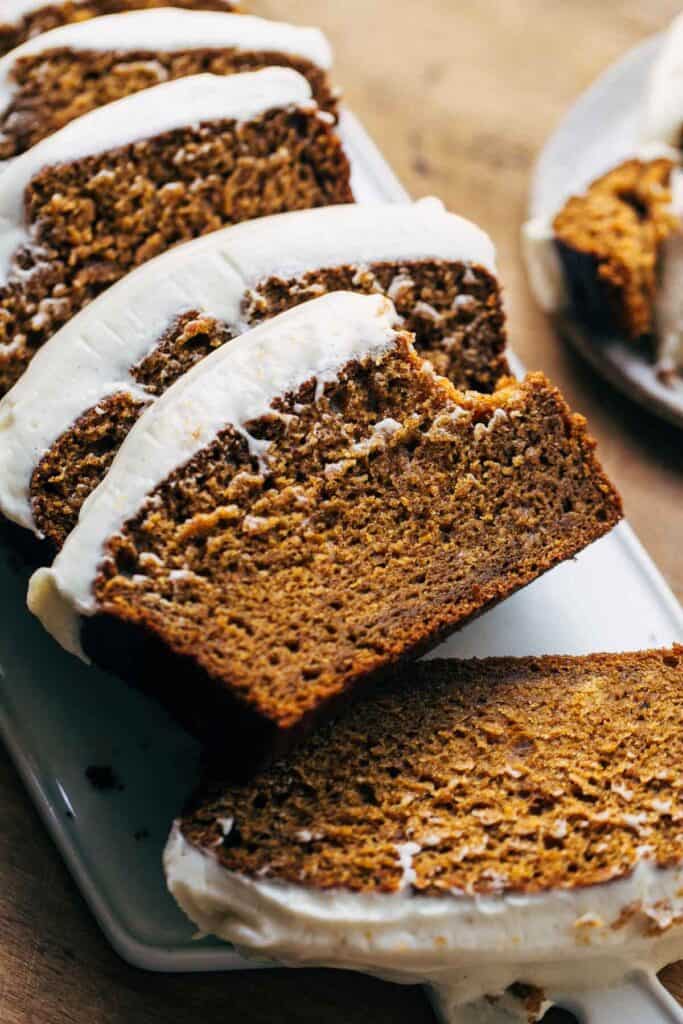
{"points": [[53, 88], [60, 12], [355, 550], [99, 217], [509, 774], [609, 239]]}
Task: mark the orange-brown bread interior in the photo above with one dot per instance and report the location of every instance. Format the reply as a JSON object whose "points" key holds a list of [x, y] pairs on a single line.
{"points": [[509, 774], [609, 240], [52, 88], [355, 547], [94, 220], [454, 309]]}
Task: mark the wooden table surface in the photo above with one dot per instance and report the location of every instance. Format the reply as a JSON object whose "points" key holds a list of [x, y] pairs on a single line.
{"points": [[459, 95]]}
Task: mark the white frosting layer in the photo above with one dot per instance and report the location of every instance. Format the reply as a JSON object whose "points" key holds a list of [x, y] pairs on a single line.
{"points": [[546, 278], [669, 298], [168, 29], [669, 306], [98, 349], [212, 275], [358, 234], [13, 10], [234, 385], [662, 110], [467, 946], [184, 102]]}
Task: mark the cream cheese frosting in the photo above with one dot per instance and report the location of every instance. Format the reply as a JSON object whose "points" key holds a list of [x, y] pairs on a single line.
{"points": [[212, 275], [669, 306], [669, 298], [186, 101], [466, 946], [661, 118], [546, 277], [661, 122], [168, 29], [360, 234], [13, 10], [233, 386]]}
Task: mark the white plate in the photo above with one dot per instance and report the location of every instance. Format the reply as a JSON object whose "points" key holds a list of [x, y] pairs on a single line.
{"points": [[57, 716], [599, 131]]}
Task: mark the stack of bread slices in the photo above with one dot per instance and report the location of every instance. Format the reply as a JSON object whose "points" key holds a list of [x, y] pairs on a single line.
{"points": [[270, 452]]}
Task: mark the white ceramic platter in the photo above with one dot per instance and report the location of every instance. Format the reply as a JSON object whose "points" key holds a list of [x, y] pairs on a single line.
{"points": [[58, 717], [599, 131]]}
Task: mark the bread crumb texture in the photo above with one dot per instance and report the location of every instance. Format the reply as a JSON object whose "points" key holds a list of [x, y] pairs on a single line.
{"points": [[382, 514], [53, 88], [505, 774], [95, 219], [609, 240]]}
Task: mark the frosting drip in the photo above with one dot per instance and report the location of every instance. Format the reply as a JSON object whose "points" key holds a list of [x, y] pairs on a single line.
{"points": [[466, 946]]}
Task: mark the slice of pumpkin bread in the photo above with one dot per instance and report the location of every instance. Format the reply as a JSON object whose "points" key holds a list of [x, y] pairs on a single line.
{"points": [[508, 827], [610, 242], [308, 506], [128, 181]]}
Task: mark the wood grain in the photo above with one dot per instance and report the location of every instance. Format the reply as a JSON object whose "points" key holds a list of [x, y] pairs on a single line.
{"points": [[460, 97]]}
